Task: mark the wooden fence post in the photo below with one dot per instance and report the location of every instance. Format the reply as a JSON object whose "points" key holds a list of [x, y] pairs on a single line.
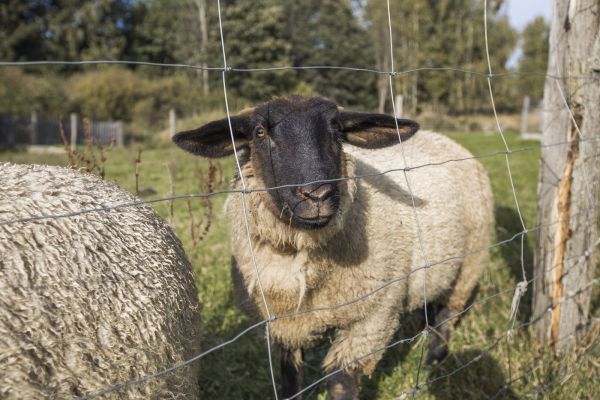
{"points": [[172, 122], [568, 190], [73, 131], [33, 128], [120, 134], [398, 105]]}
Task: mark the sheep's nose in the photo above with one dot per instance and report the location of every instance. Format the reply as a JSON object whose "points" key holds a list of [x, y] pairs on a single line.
{"points": [[315, 192]]}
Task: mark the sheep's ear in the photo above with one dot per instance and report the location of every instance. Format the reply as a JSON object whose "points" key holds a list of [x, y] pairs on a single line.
{"points": [[214, 139], [373, 131]]}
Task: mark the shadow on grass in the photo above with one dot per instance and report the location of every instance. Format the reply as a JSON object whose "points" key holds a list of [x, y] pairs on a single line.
{"points": [[483, 379], [411, 324], [508, 224], [241, 370]]}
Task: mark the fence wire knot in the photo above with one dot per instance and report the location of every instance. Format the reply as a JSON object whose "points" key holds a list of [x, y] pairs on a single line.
{"points": [[520, 290]]}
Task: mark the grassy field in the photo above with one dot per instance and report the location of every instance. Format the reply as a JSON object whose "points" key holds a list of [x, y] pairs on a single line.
{"points": [[240, 370]]}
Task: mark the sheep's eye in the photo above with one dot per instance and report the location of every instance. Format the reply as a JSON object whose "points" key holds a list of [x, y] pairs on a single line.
{"points": [[261, 131], [336, 125]]}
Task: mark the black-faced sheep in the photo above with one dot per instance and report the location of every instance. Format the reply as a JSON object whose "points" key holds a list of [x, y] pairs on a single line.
{"points": [[322, 244], [91, 300]]}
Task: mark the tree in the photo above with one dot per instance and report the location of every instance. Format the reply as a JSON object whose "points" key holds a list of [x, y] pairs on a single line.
{"points": [[154, 32], [568, 190], [64, 29], [438, 34], [254, 37], [327, 33], [21, 30], [453, 36], [376, 11], [88, 30], [534, 61]]}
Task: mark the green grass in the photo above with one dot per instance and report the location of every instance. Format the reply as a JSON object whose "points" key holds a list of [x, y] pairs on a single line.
{"points": [[240, 370]]}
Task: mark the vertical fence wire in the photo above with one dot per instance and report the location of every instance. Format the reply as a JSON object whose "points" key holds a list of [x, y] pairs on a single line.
{"points": [[245, 210], [412, 198], [521, 287]]}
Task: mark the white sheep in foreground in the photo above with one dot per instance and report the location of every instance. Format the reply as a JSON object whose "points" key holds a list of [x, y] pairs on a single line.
{"points": [[91, 300], [324, 244]]}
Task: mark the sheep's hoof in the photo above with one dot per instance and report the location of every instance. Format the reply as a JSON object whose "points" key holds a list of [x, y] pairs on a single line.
{"points": [[292, 373], [438, 350], [342, 386]]}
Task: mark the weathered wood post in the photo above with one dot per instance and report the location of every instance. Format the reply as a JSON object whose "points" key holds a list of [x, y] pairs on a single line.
{"points": [[525, 116], [201, 6], [398, 105], [172, 122], [33, 128], [566, 249], [120, 134], [73, 131]]}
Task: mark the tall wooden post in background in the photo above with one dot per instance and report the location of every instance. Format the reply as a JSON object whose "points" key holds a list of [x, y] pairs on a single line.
{"points": [[201, 6], [33, 128], [568, 189], [399, 105], [73, 131], [172, 122]]}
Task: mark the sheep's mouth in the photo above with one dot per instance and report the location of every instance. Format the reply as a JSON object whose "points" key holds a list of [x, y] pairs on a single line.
{"points": [[305, 213], [313, 218], [312, 223], [313, 215]]}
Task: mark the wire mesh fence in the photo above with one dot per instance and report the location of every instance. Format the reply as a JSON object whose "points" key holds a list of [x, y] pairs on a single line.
{"points": [[420, 338]]}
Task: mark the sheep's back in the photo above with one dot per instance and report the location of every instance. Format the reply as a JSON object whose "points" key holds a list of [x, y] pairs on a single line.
{"points": [[91, 300], [453, 203]]}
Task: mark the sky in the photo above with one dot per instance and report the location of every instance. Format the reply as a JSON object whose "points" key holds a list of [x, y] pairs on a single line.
{"points": [[521, 12]]}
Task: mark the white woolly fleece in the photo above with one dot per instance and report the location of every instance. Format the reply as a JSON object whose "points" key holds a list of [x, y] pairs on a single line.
{"points": [[93, 300]]}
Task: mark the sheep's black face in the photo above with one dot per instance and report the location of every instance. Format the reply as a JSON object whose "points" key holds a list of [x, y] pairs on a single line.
{"points": [[295, 147], [297, 144]]}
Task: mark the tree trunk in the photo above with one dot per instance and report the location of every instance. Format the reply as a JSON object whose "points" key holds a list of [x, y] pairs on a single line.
{"points": [[568, 193], [415, 61], [201, 6]]}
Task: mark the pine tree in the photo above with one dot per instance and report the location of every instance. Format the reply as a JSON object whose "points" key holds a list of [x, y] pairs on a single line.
{"points": [[254, 38], [327, 33]]}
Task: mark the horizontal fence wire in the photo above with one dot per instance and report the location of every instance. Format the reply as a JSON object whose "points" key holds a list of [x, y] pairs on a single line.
{"points": [[292, 68], [422, 336], [139, 202]]}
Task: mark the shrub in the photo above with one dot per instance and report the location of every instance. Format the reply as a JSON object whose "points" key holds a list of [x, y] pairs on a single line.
{"points": [[21, 93], [106, 94]]}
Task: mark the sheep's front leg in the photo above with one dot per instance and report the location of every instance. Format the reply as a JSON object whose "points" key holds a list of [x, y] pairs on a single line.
{"points": [[356, 351], [343, 386], [292, 373]]}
